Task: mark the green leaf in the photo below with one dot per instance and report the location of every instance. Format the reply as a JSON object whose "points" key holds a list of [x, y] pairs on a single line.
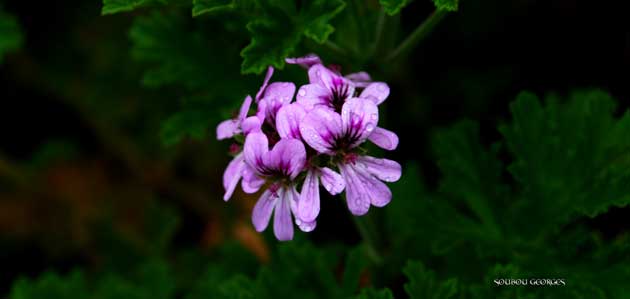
{"points": [[571, 158], [448, 5], [185, 124], [355, 264], [471, 173], [51, 286], [370, 293], [201, 7], [393, 7], [116, 6], [424, 285], [275, 36], [11, 37]]}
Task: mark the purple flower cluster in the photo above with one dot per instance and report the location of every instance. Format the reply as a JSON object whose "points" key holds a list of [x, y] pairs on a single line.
{"points": [[334, 115]]}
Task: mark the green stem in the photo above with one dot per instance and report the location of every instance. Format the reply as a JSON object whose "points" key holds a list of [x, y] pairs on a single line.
{"points": [[420, 33], [366, 231], [378, 32]]}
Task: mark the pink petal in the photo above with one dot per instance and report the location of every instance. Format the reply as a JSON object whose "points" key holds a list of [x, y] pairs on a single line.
{"points": [[264, 85], [305, 61], [359, 117], [278, 94], [288, 156], [385, 139], [251, 124], [308, 205], [319, 128], [313, 95], [377, 191], [262, 210], [232, 175], [306, 226], [357, 198], [251, 182], [256, 146], [360, 79], [244, 108], [321, 75], [384, 169], [332, 181], [227, 129], [376, 92], [282, 221], [288, 121]]}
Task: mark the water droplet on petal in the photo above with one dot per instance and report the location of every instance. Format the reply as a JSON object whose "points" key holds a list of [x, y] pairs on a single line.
{"points": [[369, 127], [302, 92], [374, 116]]}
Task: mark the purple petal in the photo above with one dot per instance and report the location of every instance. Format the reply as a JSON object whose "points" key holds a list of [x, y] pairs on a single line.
{"points": [[306, 226], [379, 193], [288, 121], [251, 182], [305, 62], [384, 169], [244, 108], [376, 92], [357, 198], [308, 205], [360, 79], [227, 129], [256, 146], [232, 174], [251, 124], [278, 94], [359, 117], [262, 210], [385, 139], [264, 85], [287, 156], [319, 128], [323, 76], [282, 222], [313, 95], [332, 181]]}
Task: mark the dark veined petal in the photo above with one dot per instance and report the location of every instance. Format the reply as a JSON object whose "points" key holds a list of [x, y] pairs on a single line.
{"points": [[287, 156], [359, 118], [256, 146], [308, 205], [282, 220], [313, 95], [376, 92], [384, 139], [319, 128], [288, 121]]}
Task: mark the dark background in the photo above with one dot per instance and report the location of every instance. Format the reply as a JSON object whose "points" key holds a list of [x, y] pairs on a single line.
{"points": [[472, 66]]}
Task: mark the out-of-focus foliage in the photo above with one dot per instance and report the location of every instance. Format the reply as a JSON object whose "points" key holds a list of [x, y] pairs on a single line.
{"points": [[10, 33]]}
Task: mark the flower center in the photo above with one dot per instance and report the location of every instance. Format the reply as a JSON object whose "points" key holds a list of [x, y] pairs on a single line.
{"points": [[338, 95]]}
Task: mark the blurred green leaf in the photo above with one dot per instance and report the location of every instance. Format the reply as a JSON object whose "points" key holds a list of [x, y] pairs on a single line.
{"points": [[52, 286], [448, 5], [424, 285], [184, 124], [116, 6], [11, 37], [393, 7], [201, 7], [370, 293]]}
